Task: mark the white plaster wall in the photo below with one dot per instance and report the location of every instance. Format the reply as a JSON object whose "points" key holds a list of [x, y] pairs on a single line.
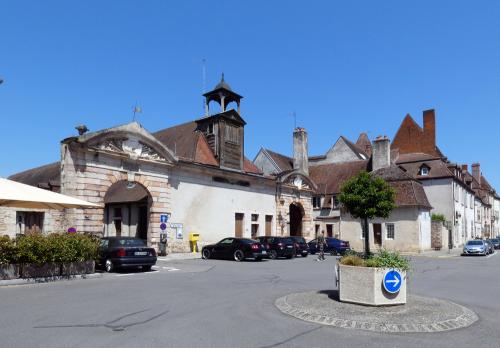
{"points": [[424, 220], [408, 230], [209, 208], [440, 195], [496, 206]]}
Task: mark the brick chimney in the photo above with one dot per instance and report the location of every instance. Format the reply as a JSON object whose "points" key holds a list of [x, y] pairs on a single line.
{"points": [[381, 153], [476, 172], [300, 150], [429, 131]]}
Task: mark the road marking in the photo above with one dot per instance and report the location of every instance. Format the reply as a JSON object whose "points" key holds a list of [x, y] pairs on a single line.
{"points": [[171, 269]]}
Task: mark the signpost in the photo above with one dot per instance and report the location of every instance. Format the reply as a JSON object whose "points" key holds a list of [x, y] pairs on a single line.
{"points": [[164, 218], [392, 281]]}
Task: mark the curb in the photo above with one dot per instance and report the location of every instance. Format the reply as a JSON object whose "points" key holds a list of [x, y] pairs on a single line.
{"points": [[48, 279]]}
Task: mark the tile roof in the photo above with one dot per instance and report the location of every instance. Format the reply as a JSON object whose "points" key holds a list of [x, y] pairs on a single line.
{"points": [[364, 143], [437, 169], [330, 177], [46, 177]]}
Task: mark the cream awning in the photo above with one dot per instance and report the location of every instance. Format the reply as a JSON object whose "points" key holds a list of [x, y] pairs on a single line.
{"points": [[14, 194]]}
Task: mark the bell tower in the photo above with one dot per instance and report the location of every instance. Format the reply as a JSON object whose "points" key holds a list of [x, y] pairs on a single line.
{"points": [[224, 130], [223, 95]]}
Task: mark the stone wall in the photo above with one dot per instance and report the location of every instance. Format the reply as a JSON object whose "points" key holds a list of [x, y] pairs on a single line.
{"points": [[303, 198]]}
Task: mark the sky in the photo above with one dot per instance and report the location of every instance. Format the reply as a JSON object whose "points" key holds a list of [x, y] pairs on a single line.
{"points": [[343, 67]]}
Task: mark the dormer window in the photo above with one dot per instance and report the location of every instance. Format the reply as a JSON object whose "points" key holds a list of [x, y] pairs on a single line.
{"points": [[424, 170]]}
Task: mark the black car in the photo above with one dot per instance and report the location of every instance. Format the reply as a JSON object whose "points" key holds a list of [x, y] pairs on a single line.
{"points": [[279, 246], [301, 247], [495, 242], [333, 246], [121, 252], [238, 249]]}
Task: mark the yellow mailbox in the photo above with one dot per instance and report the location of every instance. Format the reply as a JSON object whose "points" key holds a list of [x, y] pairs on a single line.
{"points": [[193, 241]]}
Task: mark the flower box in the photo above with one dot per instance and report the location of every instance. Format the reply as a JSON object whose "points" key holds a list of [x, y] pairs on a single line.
{"points": [[10, 271], [30, 270], [364, 285]]}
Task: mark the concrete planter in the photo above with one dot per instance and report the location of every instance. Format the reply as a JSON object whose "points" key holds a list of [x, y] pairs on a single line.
{"points": [[40, 271], [9, 272], [364, 285], [74, 268]]}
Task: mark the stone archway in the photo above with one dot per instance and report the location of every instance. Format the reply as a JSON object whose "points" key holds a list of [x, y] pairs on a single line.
{"points": [[296, 217], [126, 212]]}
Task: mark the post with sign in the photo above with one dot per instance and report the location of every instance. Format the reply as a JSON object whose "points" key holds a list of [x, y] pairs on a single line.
{"points": [[163, 234]]}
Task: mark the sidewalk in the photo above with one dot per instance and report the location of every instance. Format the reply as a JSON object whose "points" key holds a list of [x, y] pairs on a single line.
{"points": [[443, 253], [179, 256]]}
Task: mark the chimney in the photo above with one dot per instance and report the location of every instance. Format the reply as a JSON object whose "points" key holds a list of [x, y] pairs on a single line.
{"points": [[476, 172], [300, 152], [381, 153], [465, 168], [430, 131]]}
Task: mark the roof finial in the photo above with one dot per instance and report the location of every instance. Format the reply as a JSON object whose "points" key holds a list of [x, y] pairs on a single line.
{"points": [[222, 78]]}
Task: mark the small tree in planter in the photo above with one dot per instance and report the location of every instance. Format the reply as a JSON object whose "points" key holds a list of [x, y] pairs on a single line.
{"points": [[367, 197]]}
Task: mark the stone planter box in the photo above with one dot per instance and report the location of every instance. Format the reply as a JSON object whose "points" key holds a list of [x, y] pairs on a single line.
{"points": [[364, 285], [74, 268], [29, 270], [9, 272]]}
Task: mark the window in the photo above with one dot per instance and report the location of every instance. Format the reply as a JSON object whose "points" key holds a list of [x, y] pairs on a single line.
{"points": [[231, 134], [316, 202], [329, 230], [255, 230], [336, 202], [389, 229], [255, 217], [424, 170]]}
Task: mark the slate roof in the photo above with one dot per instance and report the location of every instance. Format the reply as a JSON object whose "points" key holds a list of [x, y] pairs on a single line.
{"points": [[47, 177], [283, 162]]}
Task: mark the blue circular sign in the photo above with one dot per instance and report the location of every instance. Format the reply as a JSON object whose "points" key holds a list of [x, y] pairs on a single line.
{"points": [[392, 281], [163, 227]]}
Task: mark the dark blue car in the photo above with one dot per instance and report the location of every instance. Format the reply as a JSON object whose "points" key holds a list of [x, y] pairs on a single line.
{"points": [[333, 246]]}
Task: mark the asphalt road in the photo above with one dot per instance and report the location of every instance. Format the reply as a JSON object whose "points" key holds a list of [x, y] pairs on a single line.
{"points": [[215, 303]]}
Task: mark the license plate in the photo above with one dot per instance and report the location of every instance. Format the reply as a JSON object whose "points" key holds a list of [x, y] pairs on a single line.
{"points": [[264, 252], [140, 253], [289, 246]]}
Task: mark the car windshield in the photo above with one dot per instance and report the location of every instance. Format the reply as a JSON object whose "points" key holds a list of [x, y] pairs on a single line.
{"points": [[475, 242], [130, 242]]}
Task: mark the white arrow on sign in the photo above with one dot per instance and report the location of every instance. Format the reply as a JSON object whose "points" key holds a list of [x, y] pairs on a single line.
{"points": [[395, 281]]}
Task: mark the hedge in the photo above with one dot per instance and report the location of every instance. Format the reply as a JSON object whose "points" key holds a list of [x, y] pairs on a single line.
{"points": [[54, 248]]}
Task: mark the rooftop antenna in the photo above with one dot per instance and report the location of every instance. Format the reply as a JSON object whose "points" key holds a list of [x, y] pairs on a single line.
{"points": [[137, 109], [294, 115], [204, 76]]}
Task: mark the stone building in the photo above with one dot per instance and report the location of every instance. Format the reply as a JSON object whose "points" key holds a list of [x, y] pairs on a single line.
{"points": [[194, 174]]}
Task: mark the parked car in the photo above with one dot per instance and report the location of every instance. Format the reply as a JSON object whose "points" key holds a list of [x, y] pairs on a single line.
{"points": [[238, 249], [475, 247], [279, 246], [495, 242], [333, 246], [491, 248], [121, 252], [301, 247]]}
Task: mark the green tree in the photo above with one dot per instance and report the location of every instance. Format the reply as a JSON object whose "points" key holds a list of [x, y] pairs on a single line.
{"points": [[366, 197]]}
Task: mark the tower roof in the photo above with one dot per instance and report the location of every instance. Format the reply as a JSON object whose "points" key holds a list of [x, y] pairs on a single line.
{"points": [[223, 86]]}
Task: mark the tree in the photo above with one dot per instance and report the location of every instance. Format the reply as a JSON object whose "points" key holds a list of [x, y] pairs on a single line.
{"points": [[366, 197]]}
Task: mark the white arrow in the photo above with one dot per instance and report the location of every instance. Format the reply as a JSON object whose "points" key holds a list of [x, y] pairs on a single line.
{"points": [[395, 281]]}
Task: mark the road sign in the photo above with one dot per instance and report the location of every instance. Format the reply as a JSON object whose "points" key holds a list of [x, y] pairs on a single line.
{"points": [[163, 226], [164, 218], [392, 281]]}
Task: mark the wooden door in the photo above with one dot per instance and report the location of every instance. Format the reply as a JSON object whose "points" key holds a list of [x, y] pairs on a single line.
{"points": [[329, 230], [377, 234], [269, 225], [238, 220], [33, 222]]}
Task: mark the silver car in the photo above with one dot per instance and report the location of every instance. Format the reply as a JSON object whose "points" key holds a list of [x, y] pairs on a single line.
{"points": [[491, 247], [476, 247]]}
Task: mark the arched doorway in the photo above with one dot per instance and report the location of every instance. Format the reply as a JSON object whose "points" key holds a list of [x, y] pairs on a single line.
{"points": [[126, 211], [296, 215]]}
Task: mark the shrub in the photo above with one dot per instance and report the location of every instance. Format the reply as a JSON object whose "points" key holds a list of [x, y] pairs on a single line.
{"points": [[385, 259], [54, 248], [352, 260], [438, 217], [8, 250]]}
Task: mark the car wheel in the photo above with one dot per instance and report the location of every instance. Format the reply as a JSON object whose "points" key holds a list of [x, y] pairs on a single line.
{"points": [[304, 255], [108, 266], [273, 254], [258, 259], [333, 253], [205, 254], [146, 268], [239, 256], [289, 257]]}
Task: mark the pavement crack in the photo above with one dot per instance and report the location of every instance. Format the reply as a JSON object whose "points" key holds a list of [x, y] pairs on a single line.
{"points": [[110, 324], [293, 337]]}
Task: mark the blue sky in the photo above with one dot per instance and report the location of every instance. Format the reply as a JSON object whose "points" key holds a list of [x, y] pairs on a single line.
{"points": [[343, 66]]}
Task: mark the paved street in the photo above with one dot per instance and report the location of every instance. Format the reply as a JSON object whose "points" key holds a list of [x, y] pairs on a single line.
{"points": [[190, 303]]}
